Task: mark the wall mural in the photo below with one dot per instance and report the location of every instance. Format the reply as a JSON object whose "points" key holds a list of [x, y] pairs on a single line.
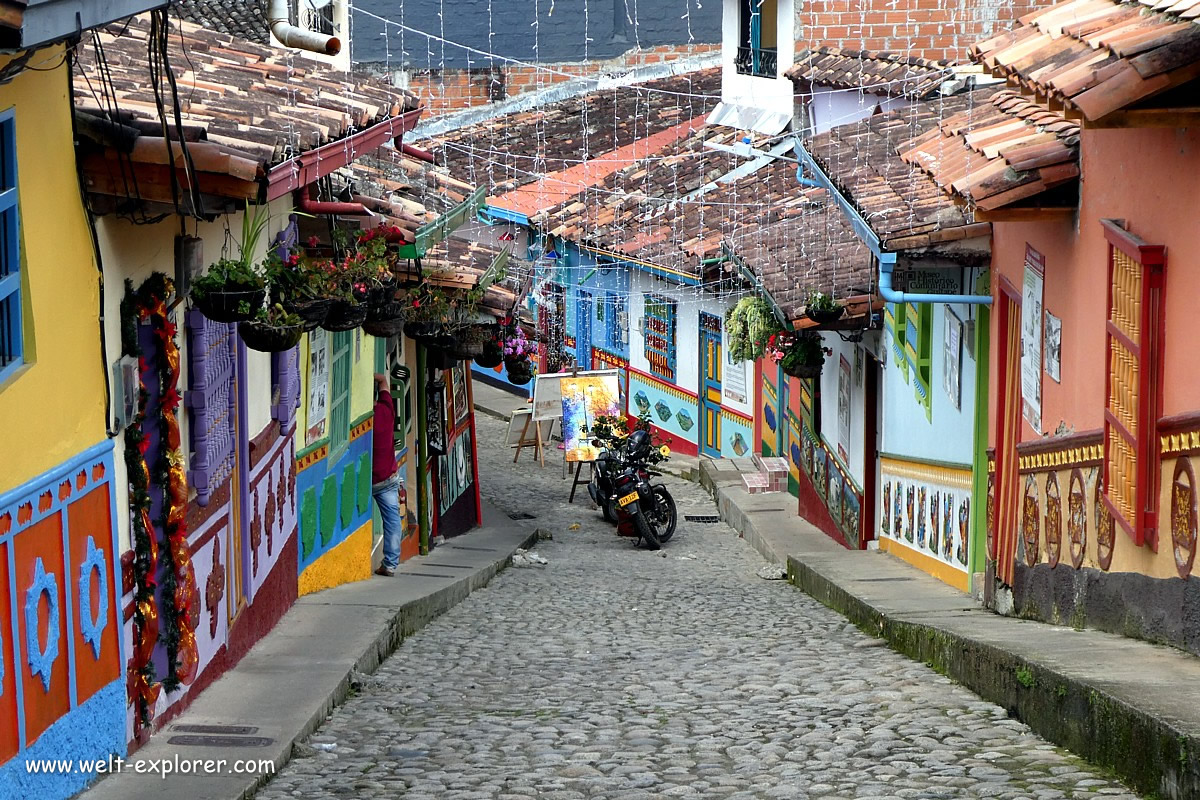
{"points": [[1077, 518], [841, 496], [926, 508], [1029, 522], [1053, 521], [1183, 516], [673, 410]]}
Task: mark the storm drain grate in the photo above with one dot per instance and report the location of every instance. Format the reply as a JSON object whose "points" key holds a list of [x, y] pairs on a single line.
{"points": [[706, 519], [521, 515], [225, 730], [199, 740]]}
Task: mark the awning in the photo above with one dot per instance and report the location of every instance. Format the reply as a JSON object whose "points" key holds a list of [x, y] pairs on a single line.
{"points": [[744, 118]]}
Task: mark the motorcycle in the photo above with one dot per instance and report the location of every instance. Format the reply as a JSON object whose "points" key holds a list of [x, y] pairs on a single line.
{"points": [[600, 487], [651, 506]]}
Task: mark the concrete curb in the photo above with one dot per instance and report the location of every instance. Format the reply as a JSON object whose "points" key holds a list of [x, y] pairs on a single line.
{"points": [[324, 676], [1104, 697]]}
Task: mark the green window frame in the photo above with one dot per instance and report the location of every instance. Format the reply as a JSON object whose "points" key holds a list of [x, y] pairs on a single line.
{"points": [[340, 374], [895, 318], [919, 349]]}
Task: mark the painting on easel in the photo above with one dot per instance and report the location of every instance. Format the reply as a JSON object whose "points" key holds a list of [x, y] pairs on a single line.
{"points": [[584, 398]]}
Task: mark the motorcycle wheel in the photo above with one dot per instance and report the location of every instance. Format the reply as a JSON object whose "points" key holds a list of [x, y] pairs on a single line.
{"points": [[666, 516], [610, 511], [645, 529]]}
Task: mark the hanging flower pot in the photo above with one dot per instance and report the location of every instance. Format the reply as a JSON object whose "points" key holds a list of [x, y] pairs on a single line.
{"points": [[520, 371], [273, 330], [822, 310], [383, 329], [803, 370], [313, 312], [382, 293], [438, 358], [420, 330], [491, 356], [388, 312], [345, 315], [469, 342], [799, 355], [229, 306]]}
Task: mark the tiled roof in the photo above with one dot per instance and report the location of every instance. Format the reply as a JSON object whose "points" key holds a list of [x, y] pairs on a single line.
{"points": [[904, 207], [999, 155], [1099, 56], [880, 73], [515, 149], [245, 107], [409, 193], [245, 19], [642, 211]]}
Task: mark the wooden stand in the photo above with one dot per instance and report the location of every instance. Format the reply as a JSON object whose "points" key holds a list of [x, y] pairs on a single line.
{"points": [[578, 472], [535, 441]]}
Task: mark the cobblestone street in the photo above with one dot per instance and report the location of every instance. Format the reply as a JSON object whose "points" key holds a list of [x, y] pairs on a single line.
{"points": [[615, 672]]}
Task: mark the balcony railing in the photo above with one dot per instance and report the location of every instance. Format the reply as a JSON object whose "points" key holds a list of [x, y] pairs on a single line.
{"points": [[760, 62]]}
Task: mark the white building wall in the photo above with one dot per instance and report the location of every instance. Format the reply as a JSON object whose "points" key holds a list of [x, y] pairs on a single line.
{"points": [[855, 458], [769, 94]]}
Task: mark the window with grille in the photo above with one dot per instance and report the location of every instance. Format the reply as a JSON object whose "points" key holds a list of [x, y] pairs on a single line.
{"points": [[660, 336], [1133, 383], [339, 391], [11, 337], [616, 322]]}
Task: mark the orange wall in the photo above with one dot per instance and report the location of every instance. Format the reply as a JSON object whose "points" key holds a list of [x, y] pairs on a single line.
{"points": [[1151, 179]]}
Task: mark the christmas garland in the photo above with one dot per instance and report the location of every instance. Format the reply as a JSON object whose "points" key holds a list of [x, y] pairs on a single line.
{"points": [[180, 611]]}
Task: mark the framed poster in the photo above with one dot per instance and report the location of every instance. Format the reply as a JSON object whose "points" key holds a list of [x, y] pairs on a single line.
{"points": [[1031, 337], [318, 384], [843, 397], [952, 344], [734, 383], [1054, 347], [458, 394], [435, 417]]}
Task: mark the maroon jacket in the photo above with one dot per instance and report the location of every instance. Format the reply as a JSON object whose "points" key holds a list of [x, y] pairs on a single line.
{"points": [[383, 447]]}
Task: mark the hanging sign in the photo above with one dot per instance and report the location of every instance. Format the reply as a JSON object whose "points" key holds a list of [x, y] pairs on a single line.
{"points": [[318, 384]]}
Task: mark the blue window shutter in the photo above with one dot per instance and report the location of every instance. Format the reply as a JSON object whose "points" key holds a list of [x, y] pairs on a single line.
{"points": [[11, 335], [211, 399]]}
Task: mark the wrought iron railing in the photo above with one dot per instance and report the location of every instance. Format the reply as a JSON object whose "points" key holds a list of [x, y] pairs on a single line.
{"points": [[760, 62]]}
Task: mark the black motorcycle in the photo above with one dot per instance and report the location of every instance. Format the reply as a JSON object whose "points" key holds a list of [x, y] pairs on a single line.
{"points": [[651, 506], [607, 465]]}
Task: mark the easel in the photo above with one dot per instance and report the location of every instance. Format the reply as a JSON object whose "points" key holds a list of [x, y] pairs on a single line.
{"points": [[576, 482], [539, 450]]}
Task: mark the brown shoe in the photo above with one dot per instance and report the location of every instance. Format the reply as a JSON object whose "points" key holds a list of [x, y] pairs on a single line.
{"points": [[385, 571]]}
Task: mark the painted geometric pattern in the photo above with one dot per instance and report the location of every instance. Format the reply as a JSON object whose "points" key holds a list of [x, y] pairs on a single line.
{"points": [[60, 641], [334, 500], [672, 410]]}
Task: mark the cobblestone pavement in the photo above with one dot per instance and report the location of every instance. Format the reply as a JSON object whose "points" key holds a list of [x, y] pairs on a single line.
{"points": [[614, 672]]}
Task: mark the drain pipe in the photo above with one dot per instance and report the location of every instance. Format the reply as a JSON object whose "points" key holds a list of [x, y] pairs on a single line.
{"points": [[887, 263], [887, 260], [307, 205], [290, 35]]}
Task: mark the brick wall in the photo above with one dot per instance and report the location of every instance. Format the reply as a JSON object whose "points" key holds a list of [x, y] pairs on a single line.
{"points": [[934, 29], [449, 90]]}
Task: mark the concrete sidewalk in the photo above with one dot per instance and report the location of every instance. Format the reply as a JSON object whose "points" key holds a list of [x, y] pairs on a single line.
{"points": [[291, 679], [499, 403], [1124, 704]]}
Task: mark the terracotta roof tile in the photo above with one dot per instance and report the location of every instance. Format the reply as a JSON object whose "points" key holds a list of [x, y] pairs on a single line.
{"points": [[1099, 56], [996, 156], [245, 19], [900, 202], [881, 73]]}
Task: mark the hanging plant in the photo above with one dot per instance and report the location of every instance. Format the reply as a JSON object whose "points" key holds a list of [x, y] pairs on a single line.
{"points": [[233, 289], [801, 355], [822, 309], [748, 327], [273, 330]]}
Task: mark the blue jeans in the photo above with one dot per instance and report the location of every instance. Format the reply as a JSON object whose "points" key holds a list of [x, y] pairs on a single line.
{"points": [[387, 496]]}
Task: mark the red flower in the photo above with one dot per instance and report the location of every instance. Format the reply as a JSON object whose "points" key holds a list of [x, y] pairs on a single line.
{"points": [[314, 241]]}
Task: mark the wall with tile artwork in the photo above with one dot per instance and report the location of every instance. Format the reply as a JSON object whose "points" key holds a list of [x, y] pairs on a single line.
{"points": [[925, 516]]}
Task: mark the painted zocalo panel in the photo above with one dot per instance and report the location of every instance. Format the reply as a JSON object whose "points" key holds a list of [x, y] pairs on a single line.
{"points": [[927, 509]]}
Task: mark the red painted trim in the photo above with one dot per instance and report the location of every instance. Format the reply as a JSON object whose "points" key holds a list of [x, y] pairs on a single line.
{"points": [[758, 406], [307, 205], [308, 168], [677, 445], [474, 446], [812, 508], [1133, 246]]}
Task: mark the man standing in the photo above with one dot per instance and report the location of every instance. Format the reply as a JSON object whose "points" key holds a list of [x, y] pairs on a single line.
{"points": [[385, 479]]}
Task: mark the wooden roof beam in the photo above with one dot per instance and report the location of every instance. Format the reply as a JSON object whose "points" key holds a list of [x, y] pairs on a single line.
{"points": [[1182, 117]]}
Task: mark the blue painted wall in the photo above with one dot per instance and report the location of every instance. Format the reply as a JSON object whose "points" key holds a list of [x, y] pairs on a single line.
{"points": [[948, 434], [334, 499], [611, 26]]}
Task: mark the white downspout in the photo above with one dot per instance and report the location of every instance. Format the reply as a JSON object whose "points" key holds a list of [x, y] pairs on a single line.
{"points": [[290, 35]]}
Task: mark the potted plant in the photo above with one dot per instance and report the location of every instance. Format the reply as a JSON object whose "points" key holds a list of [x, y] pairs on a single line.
{"points": [[273, 330], [300, 287], [517, 350], [427, 314], [348, 290], [233, 290], [748, 327], [492, 354], [801, 355], [469, 342], [822, 310]]}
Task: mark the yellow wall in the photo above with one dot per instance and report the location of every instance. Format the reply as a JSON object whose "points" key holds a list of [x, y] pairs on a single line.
{"points": [[53, 408], [348, 561], [362, 383]]}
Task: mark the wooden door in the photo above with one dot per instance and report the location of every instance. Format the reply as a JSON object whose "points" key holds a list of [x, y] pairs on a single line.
{"points": [[1008, 426], [710, 385]]}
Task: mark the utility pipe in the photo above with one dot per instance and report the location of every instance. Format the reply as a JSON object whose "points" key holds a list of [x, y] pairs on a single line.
{"points": [[887, 263], [416, 152], [289, 35], [307, 205]]}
